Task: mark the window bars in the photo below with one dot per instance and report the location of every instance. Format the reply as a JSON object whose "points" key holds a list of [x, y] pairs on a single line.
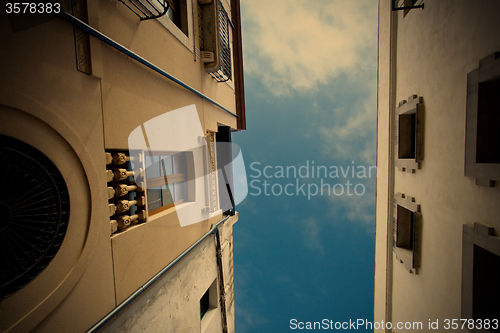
{"points": [[147, 9], [407, 4], [224, 72]]}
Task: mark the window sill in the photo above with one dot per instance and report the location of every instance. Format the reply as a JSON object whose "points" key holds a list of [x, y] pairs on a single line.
{"points": [[207, 319], [169, 211]]}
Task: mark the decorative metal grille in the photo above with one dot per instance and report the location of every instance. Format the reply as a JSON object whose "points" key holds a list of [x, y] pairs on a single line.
{"points": [[407, 4], [147, 9], [127, 202], [224, 73], [34, 214]]}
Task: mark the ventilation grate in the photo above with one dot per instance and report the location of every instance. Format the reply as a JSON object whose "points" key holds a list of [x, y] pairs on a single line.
{"points": [[34, 213]]}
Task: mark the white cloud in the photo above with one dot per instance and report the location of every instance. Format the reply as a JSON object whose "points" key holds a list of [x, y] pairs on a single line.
{"points": [[311, 232], [297, 45], [352, 137], [357, 209]]}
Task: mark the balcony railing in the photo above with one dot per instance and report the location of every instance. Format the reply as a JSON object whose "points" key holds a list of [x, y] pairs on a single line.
{"points": [[147, 9], [407, 4], [224, 72]]}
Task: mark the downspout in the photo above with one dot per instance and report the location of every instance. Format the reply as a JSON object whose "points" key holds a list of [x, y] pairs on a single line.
{"points": [[222, 299], [214, 230], [97, 34]]}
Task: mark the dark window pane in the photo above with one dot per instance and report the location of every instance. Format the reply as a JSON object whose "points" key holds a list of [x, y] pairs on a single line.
{"points": [[167, 195], [154, 198], [179, 191], [166, 167], [204, 304], [404, 235], [152, 166], [407, 136], [488, 123], [178, 163], [486, 290]]}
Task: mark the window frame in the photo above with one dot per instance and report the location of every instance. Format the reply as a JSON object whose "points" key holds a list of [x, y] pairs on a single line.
{"points": [[180, 11], [483, 236], [212, 295], [187, 39], [166, 180], [410, 257], [485, 174], [415, 106]]}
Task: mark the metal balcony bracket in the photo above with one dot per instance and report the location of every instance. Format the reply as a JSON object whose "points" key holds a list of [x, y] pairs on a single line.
{"points": [[407, 4]]}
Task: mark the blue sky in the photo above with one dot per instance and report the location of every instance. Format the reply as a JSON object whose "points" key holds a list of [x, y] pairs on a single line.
{"points": [[310, 83]]}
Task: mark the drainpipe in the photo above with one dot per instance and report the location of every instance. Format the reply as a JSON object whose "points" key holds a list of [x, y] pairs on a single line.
{"points": [[87, 28], [222, 299]]}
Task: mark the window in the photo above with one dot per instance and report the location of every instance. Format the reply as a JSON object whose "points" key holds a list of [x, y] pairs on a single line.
{"points": [[174, 15], [409, 143], [208, 301], [166, 181], [404, 228], [482, 137], [177, 13], [480, 274], [204, 304], [406, 232]]}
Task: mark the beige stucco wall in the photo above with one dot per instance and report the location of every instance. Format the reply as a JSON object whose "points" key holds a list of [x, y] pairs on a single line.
{"points": [[73, 118], [130, 90], [435, 49], [172, 304], [48, 104]]}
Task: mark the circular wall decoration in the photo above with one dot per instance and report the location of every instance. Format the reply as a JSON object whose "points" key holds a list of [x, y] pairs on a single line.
{"points": [[34, 213]]}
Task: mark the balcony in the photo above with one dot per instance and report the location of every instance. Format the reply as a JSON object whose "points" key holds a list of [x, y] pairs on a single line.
{"points": [[407, 4], [147, 9], [223, 73]]}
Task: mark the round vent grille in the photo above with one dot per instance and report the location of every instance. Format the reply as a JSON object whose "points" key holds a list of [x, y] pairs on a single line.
{"points": [[34, 212]]}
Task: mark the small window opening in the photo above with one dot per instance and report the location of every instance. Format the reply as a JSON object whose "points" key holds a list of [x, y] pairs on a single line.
{"points": [[404, 229], [407, 136], [488, 122], [486, 290], [204, 304], [209, 300]]}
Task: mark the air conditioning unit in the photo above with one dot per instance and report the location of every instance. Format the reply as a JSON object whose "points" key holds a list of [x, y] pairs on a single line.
{"points": [[215, 38], [210, 33]]}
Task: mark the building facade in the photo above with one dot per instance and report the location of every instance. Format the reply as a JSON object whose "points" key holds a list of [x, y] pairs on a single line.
{"points": [[437, 246], [115, 131]]}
